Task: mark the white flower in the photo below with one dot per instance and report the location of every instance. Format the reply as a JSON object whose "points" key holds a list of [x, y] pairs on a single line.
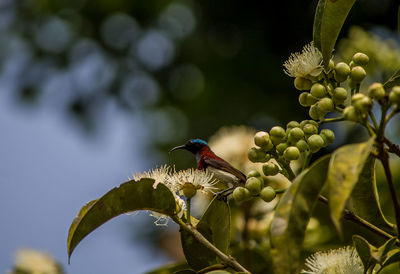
{"points": [[160, 175], [336, 261], [304, 63], [202, 180], [162, 220], [35, 262]]}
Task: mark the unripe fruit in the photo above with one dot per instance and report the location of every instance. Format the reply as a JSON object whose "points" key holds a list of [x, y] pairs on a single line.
{"points": [[256, 155], [241, 194], [350, 114], [295, 134], [253, 173], [315, 142], [339, 95], [302, 145], [342, 70], [357, 74], [360, 59], [394, 95], [318, 90], [291, 153], [303, 99], [310, 129], [301, 83], [254, 185], [262, 140], [270, 169], [267, 194], [325, 105], [277, 132], [281, 147], [189, 190], [376, 91], [328, 136], [292, 124]]}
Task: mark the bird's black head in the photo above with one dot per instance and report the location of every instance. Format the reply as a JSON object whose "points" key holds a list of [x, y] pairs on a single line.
{"points": [[193, 145]]}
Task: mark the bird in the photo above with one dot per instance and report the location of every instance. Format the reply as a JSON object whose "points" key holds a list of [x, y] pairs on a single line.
{"points": [[207, 160]]}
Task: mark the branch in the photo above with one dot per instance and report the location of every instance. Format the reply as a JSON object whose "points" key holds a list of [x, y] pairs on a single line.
{"points": [[393, 148], [228, 260]]}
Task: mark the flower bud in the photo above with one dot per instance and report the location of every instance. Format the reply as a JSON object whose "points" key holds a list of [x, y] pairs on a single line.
{"points": [[328, 136], [281, 147], [256, 155], [360, 59], [350, 114], [306, 122], [253, 173], [292, 124], [302, 145], [189, 190], [270, 169], [303, 99], [262, 140], [254, 185], [267, 194], [325, 105], [339, 95], [376, 91], [315, 113], [331, 65], [301, 83], [310, 129], [394, 95], [357, 74], [241, 194], [295, 134], [291, 153], [362, 104], [342, 70], [315, 142], [318, 90], [277, 132], [311, 100]]}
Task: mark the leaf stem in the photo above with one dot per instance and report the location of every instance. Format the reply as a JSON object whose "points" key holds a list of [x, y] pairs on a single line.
{"points": [[373, 119], [188, 218], [307, 160], [228, 260], [331, 120], [391, 114]]}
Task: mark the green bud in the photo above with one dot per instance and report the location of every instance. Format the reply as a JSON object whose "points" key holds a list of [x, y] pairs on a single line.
{"points": [[302, 145], [267, 194], [256, 155], [281, 147], [315, 113], [315, 142], [394, 95], [360, 59], [253, 173], [331, 65], [328, 136], [310, 129], [339, 95], [241, 194], [350, 114], [342, 71], [254, 185], [291, 153], [306, 122], [277, 131], [277, 140], [261, 139], [295, 134], [325, 105], [292, 124], [357, 97], [362, 104], [352, 64], [311, 100], [303, 99], [270, 169], [357, 74], [318, 90], [376, 91], [189, 190], [301, 83]]}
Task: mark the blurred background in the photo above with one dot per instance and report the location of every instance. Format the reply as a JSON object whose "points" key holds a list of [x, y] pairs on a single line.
{"points": [[92, 91]]}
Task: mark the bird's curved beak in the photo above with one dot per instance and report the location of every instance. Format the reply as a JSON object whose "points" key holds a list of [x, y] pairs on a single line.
{"points": [[178, 147]]}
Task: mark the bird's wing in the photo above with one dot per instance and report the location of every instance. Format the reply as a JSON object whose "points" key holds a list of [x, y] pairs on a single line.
{"points": [[221, 164]]}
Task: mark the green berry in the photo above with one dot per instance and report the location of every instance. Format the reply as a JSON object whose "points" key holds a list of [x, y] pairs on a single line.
{"points": [[256, 155], [357, 96], [315, 142], [342, 70], [318, 90], [295, 134], [311, 100], [277, 140], [360, 59], [315, 113], [270, 169], [302, 145], [350, 114], [310, 129], [254, 185], [394, 95], [267, 194], [277, 132], [281, 147], [253, 173], [339, 95], [292, 124], [241, 194], [291, 153], [376, 91], [328, 136], [325, 105], [301, 83], [306, 122], [262, 140], [357, 74], [362, 103], [303, 99]]}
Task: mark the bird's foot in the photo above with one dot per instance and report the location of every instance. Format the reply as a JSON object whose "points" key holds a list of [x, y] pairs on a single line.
{"points": [[223, 195]]}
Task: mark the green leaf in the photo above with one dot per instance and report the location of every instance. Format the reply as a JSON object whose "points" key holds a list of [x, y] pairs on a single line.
{"points": [[213, 225], [393, 257], [379, 254], [394, 80], [129, 196], [293, 214], [170, 268], [345, 167], [328, 21], [365, 200], [364, 250]]}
